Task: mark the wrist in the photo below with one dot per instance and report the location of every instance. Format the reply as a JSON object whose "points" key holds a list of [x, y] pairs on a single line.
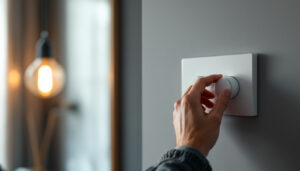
{"points": [[192, 150], [201, 148]]}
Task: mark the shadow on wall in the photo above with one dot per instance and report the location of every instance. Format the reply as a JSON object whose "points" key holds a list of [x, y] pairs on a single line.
{"points": [[271, 140]]}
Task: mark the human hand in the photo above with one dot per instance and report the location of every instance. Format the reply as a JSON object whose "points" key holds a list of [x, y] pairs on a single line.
{"points": [[193, 127]]}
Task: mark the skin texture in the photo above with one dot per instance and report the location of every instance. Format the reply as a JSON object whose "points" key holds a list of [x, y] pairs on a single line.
{"points": [[193, 126]]}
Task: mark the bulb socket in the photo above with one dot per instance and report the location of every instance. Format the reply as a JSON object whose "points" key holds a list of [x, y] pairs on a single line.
{"points": [[43, 47]]}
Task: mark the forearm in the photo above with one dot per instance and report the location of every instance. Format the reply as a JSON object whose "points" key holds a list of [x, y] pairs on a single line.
{"points": [[183, 158]]}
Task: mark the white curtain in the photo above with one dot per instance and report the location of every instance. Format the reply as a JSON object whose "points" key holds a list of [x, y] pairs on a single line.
{"points": [[87, 133], [3, 57]]}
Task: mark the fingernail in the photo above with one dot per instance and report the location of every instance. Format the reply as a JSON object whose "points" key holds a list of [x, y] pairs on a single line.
{"points": [[227, 92]]}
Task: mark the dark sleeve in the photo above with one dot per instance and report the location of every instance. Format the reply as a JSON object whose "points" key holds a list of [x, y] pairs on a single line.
{"points": [[183, 158]]}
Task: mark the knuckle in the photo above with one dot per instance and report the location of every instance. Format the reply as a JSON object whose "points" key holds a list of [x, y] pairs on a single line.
{"points": [[186, 101], [177, 103], [200, 80]]}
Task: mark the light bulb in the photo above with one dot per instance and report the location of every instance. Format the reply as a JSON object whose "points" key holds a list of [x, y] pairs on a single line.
{"points": [[44, 77], [45, 82]]}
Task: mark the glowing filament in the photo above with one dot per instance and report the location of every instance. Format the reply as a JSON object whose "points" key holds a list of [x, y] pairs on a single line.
{"points": [[45, 80]]}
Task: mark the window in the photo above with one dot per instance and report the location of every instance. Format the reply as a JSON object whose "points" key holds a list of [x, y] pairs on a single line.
{"points": [[3, 45], [87, 134]]}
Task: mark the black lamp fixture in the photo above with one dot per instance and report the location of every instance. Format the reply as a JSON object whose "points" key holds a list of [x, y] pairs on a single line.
{"points": [[44, 77]]}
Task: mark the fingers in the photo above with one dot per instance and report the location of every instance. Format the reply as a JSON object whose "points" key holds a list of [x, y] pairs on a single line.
{"points": [[208, 94], [207, 102], [201, 83], [221, 103]]}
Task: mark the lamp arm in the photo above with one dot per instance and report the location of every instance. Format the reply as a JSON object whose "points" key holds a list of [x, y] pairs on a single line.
{"points": [[50, 125]]}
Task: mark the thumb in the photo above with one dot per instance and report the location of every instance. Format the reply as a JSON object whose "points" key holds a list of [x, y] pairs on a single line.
{"points": [[222, 102]]}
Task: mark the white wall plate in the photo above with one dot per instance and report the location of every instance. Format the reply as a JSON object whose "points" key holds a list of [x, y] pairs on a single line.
{"points": [[242, 66]]}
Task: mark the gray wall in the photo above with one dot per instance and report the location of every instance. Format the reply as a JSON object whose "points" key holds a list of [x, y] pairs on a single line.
{"points": [[174, 29], [131, 85]]}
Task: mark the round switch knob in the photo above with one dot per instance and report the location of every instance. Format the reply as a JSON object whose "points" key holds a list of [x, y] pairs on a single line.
{"points": [[228, 82]]}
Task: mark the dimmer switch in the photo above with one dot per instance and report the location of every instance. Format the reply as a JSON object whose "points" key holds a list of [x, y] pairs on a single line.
{"points": [[239, 75], [228, 82]]}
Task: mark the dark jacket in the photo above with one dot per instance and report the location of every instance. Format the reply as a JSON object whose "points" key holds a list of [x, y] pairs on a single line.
{"points": [[183, 158]]}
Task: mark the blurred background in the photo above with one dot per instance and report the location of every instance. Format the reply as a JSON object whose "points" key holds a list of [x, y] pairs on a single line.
{"points": [[70, 92]]}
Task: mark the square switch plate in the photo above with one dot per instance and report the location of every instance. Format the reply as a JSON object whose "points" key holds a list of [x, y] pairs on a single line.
{"points": [[242, 66]]}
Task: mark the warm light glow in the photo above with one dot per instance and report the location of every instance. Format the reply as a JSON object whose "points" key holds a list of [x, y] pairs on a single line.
{"points": [[44, 77], [45, 80], [14, 78]]}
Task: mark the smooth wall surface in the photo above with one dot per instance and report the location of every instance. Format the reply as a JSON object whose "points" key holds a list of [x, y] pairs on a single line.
{"points": [[131, 85], [175, 29]]}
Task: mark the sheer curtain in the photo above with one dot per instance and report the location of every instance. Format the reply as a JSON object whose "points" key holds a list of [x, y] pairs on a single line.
{"points": [[87, 40], [3, 55]]}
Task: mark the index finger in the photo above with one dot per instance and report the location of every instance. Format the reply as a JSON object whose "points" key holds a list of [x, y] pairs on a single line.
{"points": [[201, 83]]}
